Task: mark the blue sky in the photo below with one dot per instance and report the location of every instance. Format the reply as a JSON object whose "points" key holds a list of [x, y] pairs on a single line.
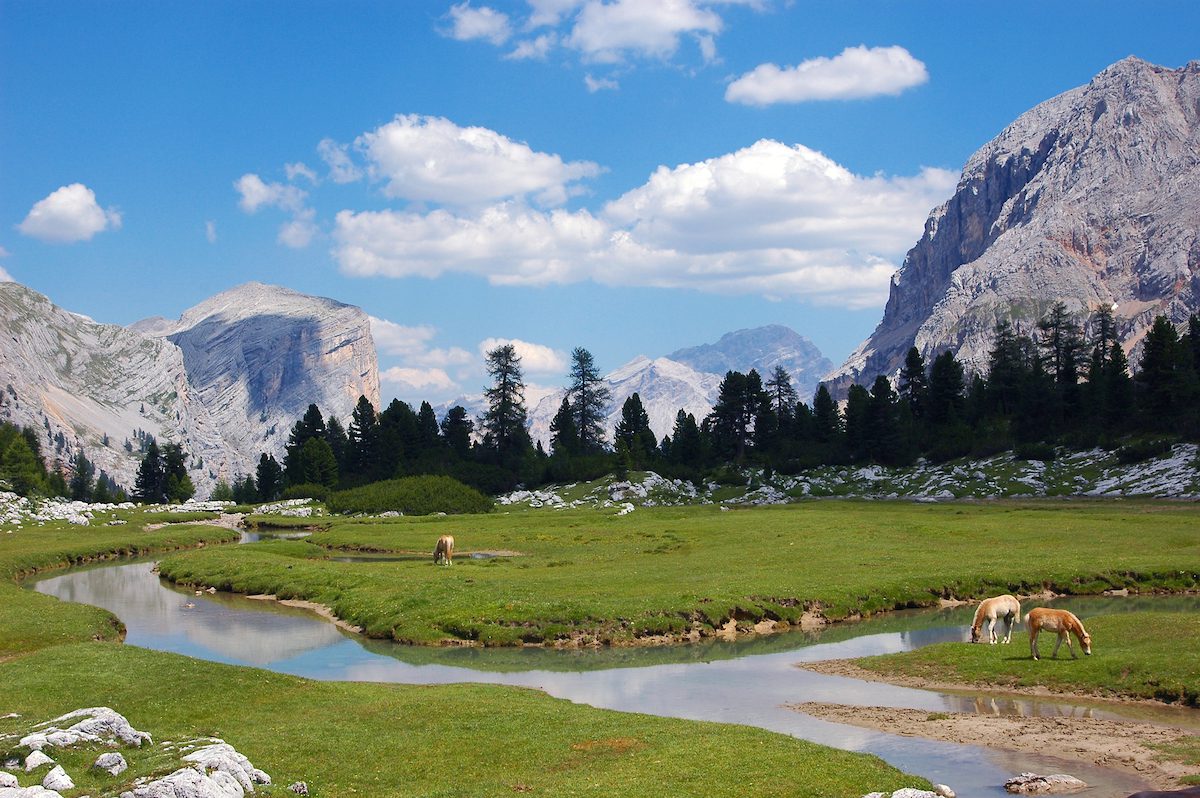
{"points": [[630, 177]]}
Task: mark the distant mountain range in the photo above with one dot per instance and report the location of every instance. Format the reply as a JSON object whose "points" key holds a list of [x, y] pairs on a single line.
{"points": [[1092, 199]]}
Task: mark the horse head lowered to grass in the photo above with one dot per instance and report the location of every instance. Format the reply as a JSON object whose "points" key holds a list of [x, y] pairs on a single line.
{"points": [[1006, 607], [1063, 623], [444, 550]]}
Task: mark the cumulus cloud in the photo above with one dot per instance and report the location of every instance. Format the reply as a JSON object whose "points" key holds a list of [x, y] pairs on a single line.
{"points": [[467, 23], [550, 12], [256, 193], [336, 156], [772, 219], [599, 84], [300, 231], [417, 379], [855, 73], [397, 339], [210, 231], [5, 277], [536, 48], [610, 32], [300, 169], [424, 158], [535, 358], [69, 214]]}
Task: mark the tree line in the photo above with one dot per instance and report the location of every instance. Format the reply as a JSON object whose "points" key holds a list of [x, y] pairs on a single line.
{"points": [[1066, 382]]}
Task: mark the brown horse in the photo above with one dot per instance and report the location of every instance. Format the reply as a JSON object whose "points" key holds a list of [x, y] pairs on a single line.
{"points": [[1006, 607], [444, 550], [1061, 622]]}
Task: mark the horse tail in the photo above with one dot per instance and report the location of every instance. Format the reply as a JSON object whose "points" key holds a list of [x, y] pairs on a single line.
{"points": [[1016, 610]]}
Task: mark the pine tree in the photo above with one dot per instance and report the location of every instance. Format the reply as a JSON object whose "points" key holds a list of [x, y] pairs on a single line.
{"points": [[312, 425], [884, 441], [339, 442], [633, 430], [83, 474], [1159, 386], [858, 402], [221, 492], [244, 490], [914, 384], [457, 427], [827, 420], [177, 483], [366, 442], [150, 485], [686, 446], [428, 439], [945, 397], [564, 438], [269, 478], [504, 432], [589, 397]]}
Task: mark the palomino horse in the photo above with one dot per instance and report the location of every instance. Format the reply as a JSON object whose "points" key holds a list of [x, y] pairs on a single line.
{"points": [[444, 550], [1006, 607], [1063, 623]]}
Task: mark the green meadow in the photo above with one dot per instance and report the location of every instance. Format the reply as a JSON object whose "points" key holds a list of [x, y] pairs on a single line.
{"points": [[597, 577]]}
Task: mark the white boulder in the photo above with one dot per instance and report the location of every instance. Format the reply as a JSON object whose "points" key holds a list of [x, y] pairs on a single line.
{"points": [[57, 779]]}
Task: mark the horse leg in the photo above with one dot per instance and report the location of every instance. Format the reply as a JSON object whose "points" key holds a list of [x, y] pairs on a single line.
{"points": [[1071, 648], [1033, 636], [1059, 643], [1008, 625]]}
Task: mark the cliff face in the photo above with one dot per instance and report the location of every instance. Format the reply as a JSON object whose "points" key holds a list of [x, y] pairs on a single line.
{"points": [[227, 380], [256, 356], [1091, 198]]}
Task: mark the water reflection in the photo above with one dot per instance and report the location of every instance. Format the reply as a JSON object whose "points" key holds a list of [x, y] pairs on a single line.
{"points": [[748, 681]]}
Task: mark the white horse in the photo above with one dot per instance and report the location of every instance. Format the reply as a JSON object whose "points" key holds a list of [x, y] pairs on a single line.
{"points": [[1006, 607], [1062, 622], [444, 550]]}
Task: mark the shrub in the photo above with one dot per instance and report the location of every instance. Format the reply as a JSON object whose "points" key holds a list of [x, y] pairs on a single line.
{"points": [[412, 496], [307, 490], [1137, 451]]}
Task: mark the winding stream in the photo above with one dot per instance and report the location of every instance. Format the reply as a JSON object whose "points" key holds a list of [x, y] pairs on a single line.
{"points": [[746, 682]]}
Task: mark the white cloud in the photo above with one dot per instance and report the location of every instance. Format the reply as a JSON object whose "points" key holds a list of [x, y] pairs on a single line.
{"points": [[467, 23], [341, 168], [599, 84], [300, 231], [397, 339], [257, 194], [857, 72], [535, 358], [536, 48], [610, 32], [776, 220], [550, 12], [415, 379], [299, 169], [432, 159], [5, 277], [69, 214], [210, 231]]}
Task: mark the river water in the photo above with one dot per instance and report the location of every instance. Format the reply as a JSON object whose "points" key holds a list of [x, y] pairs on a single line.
{"points": [[748, 682]]}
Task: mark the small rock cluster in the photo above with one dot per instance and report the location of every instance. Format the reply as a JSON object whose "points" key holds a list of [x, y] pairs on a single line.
{"points": [[212, 769], [1033, 784], [295, 508], [938, 791]]}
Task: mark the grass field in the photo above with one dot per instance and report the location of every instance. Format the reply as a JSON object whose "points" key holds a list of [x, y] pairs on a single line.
{"points": [[1139, 655], [597, 577], [348, 739]]}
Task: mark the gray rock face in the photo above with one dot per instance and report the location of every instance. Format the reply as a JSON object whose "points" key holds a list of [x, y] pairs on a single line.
{"points": [[112, 763], [36, 760], [1091, 198], [97, 724], [58, 780], [1053, 784], [762, 348], [226, 381], [35, 791]]}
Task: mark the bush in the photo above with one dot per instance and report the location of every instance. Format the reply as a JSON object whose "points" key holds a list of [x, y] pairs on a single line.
{"points": [[412, 496], [1137, 451], [1035, 451], [307, 490]]}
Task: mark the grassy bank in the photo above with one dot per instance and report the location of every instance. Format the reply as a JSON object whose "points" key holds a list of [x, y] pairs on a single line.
{"points": [[30, 620], [461, 740], [599, 577], [1138, 655]]}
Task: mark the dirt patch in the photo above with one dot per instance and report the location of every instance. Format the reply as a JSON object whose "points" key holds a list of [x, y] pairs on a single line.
{"points": [[226, 521], [1122, 745]]}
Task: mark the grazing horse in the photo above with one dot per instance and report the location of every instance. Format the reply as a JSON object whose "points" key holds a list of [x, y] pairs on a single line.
{"points": [[444, 550], [1006, 607], [1063, 623]]}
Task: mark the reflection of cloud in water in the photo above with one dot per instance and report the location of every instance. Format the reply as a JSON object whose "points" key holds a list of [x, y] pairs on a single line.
{"points": [[213, 627]]}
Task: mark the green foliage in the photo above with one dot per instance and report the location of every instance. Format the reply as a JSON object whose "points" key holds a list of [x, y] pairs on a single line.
{"points": [[422, 495], [1035, 451], [1139, 450], [307, 490], [21, 466]]}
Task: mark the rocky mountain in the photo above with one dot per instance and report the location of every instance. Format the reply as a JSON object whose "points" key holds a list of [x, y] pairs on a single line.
{"points": [[1091, 198], [761, 348], [227, 380]]}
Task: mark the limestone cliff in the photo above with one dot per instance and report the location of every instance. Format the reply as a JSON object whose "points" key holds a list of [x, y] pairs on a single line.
{"points": [[1091, 198]]}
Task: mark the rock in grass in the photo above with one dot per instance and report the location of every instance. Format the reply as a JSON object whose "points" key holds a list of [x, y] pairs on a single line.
{"points": [[113, 763], [299, 787], [36, 791], [190, 782], [98, 723], [36, 760], [222, 757], [910, 792], [57, 779], [1033, 784], [8, 780]]}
